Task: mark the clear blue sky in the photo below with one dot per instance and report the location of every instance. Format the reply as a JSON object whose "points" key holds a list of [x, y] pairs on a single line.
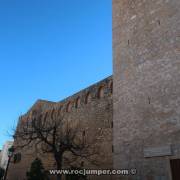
{"points": [[50, 49]]}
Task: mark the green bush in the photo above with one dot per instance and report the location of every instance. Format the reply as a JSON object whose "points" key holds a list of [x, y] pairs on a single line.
{"points": [[37, 171], [2, 171]]}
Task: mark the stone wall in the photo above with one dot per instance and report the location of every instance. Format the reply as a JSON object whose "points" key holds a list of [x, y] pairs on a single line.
{"points": [[92, 107], [146, 97]]}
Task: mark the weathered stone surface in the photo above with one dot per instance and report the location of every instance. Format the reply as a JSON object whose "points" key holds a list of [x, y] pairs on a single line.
{"points": [[146, 55]]}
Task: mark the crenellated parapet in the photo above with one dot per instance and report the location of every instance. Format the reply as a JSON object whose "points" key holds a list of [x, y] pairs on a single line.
{"points": [[95, 93]]}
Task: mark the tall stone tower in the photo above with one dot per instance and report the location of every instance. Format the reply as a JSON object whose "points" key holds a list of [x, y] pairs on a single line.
{"points": [[146, 53]]}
